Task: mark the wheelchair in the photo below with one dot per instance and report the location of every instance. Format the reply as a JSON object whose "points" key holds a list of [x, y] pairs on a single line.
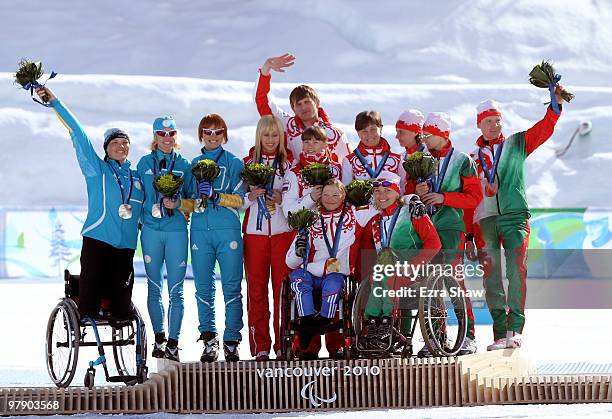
{"points": [[67, 332], [289, 319], [435, 302]]}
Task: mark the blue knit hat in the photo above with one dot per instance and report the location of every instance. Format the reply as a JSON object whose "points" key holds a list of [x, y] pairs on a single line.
{"points": [[112, 133], [163, 123]]}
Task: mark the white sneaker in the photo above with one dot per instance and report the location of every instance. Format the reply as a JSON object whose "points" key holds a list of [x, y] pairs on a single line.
{"points": [[498, 344], [513, 340], [468, 347]]}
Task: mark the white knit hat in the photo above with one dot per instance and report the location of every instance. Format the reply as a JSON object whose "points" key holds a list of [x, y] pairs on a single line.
{"points": [[487, 108], [411, 120], [438, 123]]}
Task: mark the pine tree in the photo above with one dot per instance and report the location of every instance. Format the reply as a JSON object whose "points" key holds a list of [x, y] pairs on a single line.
{"points": [[59, 249]]}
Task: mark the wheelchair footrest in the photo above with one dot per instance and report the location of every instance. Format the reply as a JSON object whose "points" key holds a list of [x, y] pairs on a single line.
{"points": [[122, 378]]}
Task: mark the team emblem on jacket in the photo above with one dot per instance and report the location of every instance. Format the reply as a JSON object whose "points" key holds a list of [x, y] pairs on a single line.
{"points": [[233, 245]]}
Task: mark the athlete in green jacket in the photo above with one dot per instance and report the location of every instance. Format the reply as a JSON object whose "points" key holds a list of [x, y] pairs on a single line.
{"points": [[501, 218]]}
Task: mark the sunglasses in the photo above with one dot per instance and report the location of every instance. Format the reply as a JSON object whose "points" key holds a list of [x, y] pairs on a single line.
{"points": [[166, 133], [209, 131], [383, 183]]}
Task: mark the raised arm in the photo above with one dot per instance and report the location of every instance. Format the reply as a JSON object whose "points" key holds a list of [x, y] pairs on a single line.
{"points": [[88, 159], [265, 106]]}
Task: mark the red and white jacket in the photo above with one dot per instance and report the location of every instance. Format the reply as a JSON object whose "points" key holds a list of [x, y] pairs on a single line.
{"points": [[353, 169], [277, 223], [296, 192], [336, 139], [354, 220]]}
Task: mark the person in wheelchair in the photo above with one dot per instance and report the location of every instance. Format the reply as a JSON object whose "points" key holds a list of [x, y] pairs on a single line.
{"points": [[114, 205], [327, 259], [400, 224]]}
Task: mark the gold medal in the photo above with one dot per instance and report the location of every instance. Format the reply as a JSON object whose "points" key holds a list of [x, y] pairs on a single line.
{"points": [[125, 211], [156, 211], [332, 265], [271, 207]]}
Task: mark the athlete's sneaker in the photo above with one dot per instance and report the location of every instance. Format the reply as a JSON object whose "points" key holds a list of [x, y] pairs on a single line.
{"points": [[230, 347], [513, 340], [211, 346], [159, 346], [468, 347], [172, 351], [262, 356], [498, 344]]}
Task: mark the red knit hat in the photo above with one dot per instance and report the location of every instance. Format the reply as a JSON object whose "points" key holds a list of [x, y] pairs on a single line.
{"points": [[438, 123], [487, 108], [411, 120]]}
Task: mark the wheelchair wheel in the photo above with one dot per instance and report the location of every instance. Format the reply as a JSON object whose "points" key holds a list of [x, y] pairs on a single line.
{"points": [[284, 310], [125, 350], [443, 316], [62, 344], [359, 304]]}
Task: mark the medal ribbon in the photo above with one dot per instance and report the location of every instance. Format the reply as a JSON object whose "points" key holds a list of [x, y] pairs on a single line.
{"points": [[333, 251], [385, 234], [490, 174], [373, 174]]}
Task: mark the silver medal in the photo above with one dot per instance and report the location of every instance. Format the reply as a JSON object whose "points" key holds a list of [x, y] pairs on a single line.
{"points": [[156, 211], [197, 206], [125, 211]]}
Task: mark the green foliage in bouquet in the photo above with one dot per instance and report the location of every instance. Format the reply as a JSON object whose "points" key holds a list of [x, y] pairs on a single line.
{"points": [[168, 185], [28, 72], [543, 75], [206, 170], [316, 174], [302, 219], [257, 174], [359, 192], [420, 165], [386, 256]]}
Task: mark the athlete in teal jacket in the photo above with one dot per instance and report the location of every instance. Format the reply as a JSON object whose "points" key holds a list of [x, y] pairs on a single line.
{"points": [[164, 236], [216, 236], [114, 205]]}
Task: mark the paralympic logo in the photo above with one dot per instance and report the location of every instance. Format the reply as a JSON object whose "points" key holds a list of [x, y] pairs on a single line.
{"points": [[315, 400]]}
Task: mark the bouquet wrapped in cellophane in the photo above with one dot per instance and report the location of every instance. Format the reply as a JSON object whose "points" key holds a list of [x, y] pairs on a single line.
{"points": [[168, 186], [259, 175], [359, 192], [205, 171]]}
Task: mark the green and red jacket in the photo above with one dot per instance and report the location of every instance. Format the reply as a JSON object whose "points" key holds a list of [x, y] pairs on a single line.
{"points": [[511, 198], [460, 187]]}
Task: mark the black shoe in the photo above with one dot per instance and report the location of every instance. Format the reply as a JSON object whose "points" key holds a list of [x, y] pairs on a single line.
{"points": [[338, 354], [211, 346], [230, 347], [308, 356], [159, 346], [172, 351]]}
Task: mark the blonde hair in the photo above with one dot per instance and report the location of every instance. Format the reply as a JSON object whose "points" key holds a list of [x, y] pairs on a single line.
{"points": [[265, 125], [177, 143]]}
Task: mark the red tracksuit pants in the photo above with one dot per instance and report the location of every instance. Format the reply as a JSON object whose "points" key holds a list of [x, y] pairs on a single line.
{"points": [[264, 258]]}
